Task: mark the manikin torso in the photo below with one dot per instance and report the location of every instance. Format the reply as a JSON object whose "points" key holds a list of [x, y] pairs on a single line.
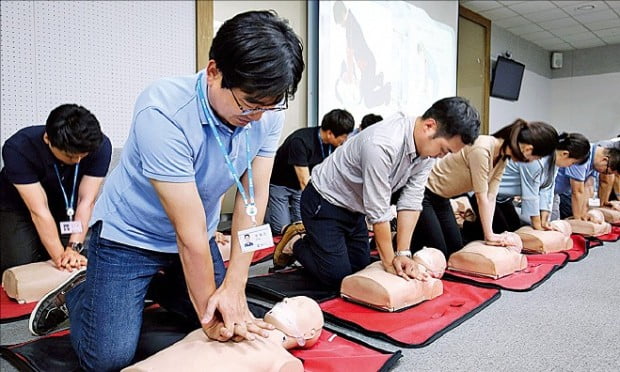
{"points": [[375, 287], [298, 320]]}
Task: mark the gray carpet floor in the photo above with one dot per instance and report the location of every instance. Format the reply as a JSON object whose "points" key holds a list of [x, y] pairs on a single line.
{"points": [[569, 323]]}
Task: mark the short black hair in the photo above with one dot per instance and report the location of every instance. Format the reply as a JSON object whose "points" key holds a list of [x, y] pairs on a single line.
{"points": [[369, 120], [73, 129], [259, 53], [338, 121], [613, 152], [455, 116]]}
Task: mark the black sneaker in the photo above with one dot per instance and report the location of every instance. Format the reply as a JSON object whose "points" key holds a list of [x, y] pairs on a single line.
{"points": [[51, 310]]}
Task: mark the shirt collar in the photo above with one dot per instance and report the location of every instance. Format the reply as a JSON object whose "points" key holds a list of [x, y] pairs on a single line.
{"points": [[409, 142]]}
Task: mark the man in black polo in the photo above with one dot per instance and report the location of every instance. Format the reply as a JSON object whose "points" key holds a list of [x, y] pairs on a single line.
{"points": [[48, 185], [295, 158]]}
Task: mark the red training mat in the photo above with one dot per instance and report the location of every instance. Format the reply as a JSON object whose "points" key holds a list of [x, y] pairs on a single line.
{"points": [[613, 236], [344, 354], [539, 268], [416, 326], [581, 245], [11, 311]]}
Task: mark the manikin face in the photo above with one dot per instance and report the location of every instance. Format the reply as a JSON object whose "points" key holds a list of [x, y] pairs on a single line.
{"points": [[230, 103], [300, 318], [433, 260], [436, 147], [63, 156]]}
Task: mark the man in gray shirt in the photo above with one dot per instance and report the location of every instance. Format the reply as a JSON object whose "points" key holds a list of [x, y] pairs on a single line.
{"points": [[357, 181]]}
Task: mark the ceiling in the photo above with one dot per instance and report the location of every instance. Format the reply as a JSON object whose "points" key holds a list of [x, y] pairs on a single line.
{"points": [[555, 25]]}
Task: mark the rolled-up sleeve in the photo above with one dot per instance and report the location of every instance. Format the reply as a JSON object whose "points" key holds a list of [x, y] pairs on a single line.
{"points": [[376, 164], [530, 174], [413, 192]]}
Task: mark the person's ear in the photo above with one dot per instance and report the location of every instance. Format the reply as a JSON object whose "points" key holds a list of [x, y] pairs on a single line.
{"points": [[526, 149], [46, 139], [430, 126], [564, 153], [213, 73]]}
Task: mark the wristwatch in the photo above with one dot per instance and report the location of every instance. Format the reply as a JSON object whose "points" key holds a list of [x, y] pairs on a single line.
{"points": [[76, 246], [403, 253]]}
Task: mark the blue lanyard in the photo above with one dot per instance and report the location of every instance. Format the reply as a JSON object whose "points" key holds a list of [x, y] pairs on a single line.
{"points": [[321, 145], [250, 206], [69, 206]]}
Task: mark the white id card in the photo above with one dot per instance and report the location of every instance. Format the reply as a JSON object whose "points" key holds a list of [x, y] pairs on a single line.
{"points": [[70, 227], [255, 238]]}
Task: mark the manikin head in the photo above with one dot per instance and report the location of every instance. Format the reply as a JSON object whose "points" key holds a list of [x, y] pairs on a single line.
{"points": [[432, 259], [596, 216], [299, 318]]}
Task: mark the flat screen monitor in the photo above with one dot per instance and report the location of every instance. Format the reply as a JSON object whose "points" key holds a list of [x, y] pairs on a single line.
{"points": [[507, 77]]}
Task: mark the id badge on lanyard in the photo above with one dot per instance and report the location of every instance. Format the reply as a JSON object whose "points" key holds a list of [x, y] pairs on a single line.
{"points": [[255, 237], [70, 226]]}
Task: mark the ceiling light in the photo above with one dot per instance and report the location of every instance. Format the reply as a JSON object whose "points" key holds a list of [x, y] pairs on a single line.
{"points": [[583, 7]]}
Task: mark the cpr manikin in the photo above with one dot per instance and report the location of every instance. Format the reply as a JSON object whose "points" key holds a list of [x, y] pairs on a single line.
{"points": [[479, 258], [375, 287], [612, 213], [298, 323], [595, 225], [541, 241], [30, 282]]}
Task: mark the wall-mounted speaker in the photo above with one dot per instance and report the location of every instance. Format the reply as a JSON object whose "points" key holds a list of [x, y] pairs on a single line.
{"points": [[557, 60]]}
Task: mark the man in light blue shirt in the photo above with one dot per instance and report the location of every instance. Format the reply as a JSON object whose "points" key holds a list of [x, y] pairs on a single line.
{"points": [[191, 139], [571, 198]]}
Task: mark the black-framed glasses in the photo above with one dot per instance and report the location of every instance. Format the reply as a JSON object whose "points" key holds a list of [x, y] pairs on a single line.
{"points": [[279, 107]]}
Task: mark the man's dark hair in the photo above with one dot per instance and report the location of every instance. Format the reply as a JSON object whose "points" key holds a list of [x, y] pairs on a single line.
{"points": [[455, 116], [613, 153], [338, 121], [259, 53], [73, 129], [369, 120], [542, 136]]}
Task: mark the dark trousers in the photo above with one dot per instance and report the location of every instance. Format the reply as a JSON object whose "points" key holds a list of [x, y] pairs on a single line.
{"points": [[436, 227], [336, 241], [566, 205], [505, 218], [19, 241]]}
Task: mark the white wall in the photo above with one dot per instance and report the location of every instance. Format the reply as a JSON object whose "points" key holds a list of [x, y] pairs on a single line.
{"points": [[534, 103], [99, 54], [587, 104]]}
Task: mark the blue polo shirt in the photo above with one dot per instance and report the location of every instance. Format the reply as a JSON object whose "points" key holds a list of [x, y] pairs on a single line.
{"points": [[578, 172], [527, 180], [170, 141]]}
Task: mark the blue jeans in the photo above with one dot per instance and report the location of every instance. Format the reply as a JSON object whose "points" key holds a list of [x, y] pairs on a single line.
{"points": [[106, 310], [283, 207], [336, 240]]}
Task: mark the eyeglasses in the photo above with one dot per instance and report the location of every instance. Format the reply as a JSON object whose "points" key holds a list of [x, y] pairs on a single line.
{"points": [[279, 107]]}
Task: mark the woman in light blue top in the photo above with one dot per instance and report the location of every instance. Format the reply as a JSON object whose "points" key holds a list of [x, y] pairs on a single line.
{"points": [[534, 183]]}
